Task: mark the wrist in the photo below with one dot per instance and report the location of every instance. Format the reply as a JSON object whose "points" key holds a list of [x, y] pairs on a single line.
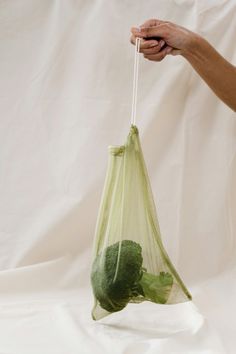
{"points": [[194, 46]]}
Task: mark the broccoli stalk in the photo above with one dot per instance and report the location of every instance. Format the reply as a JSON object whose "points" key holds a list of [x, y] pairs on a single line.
{"points": [[118, 277]]}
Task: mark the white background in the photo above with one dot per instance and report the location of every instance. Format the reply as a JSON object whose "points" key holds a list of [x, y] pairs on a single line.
{"points": [[66, 69]]}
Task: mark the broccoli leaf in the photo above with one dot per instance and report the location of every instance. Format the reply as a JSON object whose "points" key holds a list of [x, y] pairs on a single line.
{"points": [[157, 287], [118, 277]]}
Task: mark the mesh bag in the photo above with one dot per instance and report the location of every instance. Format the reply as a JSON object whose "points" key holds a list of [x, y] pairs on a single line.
{"points": [[130, 264]]}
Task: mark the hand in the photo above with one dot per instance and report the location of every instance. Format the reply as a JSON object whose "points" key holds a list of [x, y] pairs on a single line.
{"points": [[160, 38]]}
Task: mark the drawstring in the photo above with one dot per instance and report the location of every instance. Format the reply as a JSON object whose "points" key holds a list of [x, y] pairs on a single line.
{"points": [[135, 80]]}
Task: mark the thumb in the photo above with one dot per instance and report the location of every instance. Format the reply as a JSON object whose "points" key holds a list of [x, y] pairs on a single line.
{"points": [[152, 31]]}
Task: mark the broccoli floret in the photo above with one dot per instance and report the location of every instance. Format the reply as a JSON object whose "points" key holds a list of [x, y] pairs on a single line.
{"points": [[118, 276]]}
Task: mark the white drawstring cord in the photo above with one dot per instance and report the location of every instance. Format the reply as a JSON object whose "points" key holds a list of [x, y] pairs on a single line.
{"points": [[135, 80]]}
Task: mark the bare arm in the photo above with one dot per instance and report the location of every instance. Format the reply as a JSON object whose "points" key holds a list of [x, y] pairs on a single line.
{"points": [[215, 70]]}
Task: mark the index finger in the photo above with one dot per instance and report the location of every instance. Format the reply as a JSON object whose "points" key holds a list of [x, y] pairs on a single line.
{"points": [[152, 22], [155, 31], [145, 44]]}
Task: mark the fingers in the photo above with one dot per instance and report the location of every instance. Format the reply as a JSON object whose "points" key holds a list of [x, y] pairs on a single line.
{"points": [[144, 44], [152, 22], [149, 46], [155, 38], [159, 56], [152, 31], [153, 50]]}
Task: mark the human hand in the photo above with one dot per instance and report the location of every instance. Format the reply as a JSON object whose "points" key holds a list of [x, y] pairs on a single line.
{"points": [[160, 38]]}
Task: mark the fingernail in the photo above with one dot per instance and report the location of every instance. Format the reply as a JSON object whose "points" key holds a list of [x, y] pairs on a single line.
{"points": [[153, 44], [168, 50], [162, 43]]}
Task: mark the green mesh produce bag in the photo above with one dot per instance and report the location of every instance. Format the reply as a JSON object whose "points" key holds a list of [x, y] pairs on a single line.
{"points": [[130, 264]]}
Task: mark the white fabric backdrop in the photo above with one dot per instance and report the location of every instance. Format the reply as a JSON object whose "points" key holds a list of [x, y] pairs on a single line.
{"points": [[65, 94]]}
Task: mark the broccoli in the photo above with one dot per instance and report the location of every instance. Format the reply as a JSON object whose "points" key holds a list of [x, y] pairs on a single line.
{"points": [[118, 276]]}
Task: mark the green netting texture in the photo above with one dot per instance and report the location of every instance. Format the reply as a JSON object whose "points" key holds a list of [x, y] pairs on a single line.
{"points": [[130, 264]]}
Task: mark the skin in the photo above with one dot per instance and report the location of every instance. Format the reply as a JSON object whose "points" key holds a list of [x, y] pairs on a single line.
{"points": [[162, 38]]}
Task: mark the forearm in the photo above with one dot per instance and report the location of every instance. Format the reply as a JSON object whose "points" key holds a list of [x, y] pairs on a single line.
{"points": [[216, 71]]}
